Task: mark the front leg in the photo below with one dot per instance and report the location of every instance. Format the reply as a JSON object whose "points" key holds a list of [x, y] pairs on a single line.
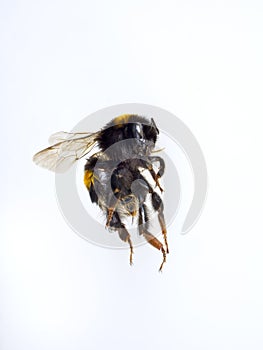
{"points": [[156, 176], [161, 166]]}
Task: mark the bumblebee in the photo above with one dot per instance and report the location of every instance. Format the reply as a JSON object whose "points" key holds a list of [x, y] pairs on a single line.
{"points": [[115, 174]]}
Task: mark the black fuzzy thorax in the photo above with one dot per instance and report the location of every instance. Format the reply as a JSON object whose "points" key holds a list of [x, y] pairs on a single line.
{"points": [[116, 131]]}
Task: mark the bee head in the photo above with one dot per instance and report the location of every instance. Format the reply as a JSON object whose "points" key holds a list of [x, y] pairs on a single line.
{"points": [[151, 131], [146, 135]]}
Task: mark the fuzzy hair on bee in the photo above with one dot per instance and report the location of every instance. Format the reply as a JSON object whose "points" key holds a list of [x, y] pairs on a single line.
{"points": [[115, 174]]}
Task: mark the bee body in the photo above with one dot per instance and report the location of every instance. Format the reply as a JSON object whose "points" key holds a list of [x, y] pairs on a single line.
{"points": [[114, 176]]}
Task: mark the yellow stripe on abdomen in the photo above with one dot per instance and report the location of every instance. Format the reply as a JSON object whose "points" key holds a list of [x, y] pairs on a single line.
{"points": [[88, 178]]}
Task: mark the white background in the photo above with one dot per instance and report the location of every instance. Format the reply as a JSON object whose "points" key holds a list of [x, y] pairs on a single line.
{"points": [[201, 60]]}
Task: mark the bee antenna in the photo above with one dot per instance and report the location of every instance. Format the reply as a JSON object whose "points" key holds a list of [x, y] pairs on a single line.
{"points": [[153, 125], [158, 150]]}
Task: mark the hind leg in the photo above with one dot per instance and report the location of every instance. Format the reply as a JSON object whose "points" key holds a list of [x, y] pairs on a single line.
{"points": [[143, 230], [116, 224], [158, 206]]}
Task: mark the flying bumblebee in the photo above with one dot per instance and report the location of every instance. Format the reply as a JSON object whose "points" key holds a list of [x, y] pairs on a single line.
{"points": [[115, 174]]}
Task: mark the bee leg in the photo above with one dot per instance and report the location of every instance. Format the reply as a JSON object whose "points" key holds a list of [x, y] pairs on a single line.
{"points": [[111, 209], [161, 165], [124, 235], [110, 212], [158, 206], [148, 236], [160, 173], [115, 196], [155, 243], [155, 177]]}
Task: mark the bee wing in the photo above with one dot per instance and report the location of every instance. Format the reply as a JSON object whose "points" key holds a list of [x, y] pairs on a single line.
{"points": [[62, 155], [63, 136]]}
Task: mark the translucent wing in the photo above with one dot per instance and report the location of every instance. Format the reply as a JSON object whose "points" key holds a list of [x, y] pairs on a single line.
{"points": [[63, 136], [62, 155]]}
